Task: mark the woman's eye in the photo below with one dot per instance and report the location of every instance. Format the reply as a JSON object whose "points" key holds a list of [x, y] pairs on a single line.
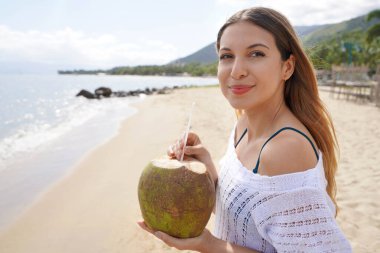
{"points": [[257, 54], [225, 56]]}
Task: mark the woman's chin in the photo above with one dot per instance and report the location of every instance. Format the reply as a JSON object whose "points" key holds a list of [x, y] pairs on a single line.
{"points": [[238, 105]]}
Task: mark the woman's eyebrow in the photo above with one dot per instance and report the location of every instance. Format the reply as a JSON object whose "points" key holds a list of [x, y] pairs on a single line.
{"points": [[225, 49], [249, 47], [257, 45]]}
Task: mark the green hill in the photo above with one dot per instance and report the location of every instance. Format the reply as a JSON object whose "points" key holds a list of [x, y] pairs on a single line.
{"points": [[205, 55], [310, 35], [330, 31], [208, 55]]}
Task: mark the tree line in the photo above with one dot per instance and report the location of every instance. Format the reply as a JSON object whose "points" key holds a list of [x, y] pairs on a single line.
{"points": [[190, 69], [358, 47]]}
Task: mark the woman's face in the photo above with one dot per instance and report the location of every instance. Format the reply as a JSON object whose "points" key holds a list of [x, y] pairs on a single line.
{"points": [[250, 71]]}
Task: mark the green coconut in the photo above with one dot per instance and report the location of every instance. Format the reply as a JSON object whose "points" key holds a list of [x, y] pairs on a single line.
{"points": [[176, 197]]}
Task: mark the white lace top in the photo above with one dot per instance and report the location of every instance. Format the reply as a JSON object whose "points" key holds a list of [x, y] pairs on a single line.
{"points": [[285, 213]]}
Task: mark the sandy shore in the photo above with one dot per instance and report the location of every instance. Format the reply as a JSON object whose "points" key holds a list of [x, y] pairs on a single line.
{"points": [[95, 207]]}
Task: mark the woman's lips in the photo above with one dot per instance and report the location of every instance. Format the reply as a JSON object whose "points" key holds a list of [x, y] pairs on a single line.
{"points": [[241, 89]]}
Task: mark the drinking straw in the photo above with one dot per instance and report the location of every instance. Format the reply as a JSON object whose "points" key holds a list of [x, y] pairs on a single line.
{"points": [[187, 131]]}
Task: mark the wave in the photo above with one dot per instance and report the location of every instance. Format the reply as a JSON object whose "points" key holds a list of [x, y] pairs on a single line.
{"points": [[38, 132]]}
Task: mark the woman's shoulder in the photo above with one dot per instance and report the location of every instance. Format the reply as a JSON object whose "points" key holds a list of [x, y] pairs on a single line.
{"points": [[288, 152]]}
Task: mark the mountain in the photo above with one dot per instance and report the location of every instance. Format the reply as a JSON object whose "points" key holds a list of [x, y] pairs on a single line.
{"points": [[205, 55], [303, 31], [310, 36], [330, 31]]}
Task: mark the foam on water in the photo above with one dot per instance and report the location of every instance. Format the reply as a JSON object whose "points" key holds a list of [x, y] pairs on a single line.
{"points": [[37, 132]]}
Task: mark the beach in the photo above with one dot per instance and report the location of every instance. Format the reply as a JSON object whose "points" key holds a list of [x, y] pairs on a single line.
{"points": [[94, 206]]}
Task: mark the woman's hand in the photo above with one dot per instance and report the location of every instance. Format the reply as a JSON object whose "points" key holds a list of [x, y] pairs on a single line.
{"points": [[206, 242], [197, 243], [194, 149]]}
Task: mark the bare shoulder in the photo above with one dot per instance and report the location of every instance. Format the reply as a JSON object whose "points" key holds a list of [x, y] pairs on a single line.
{"points": [[288, 152]]}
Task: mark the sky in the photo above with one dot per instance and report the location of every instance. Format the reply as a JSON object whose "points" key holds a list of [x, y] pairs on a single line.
{"points": [[46, 35]]}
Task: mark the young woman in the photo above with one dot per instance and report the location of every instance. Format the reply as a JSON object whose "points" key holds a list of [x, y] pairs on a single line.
{"points": [[276, 186]]}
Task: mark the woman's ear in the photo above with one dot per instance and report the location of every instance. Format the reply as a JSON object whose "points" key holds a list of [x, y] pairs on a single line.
{"points": [[288, 67]]}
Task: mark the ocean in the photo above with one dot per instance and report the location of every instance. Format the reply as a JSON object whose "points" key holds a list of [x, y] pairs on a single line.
{"points": [[45, 129]]}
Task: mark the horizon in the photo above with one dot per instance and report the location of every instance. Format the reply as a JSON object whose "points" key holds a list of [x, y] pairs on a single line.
{"points": [[63, 35]]}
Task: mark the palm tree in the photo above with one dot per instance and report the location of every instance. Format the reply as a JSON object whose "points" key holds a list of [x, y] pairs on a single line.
{"points": [[374, 31]]}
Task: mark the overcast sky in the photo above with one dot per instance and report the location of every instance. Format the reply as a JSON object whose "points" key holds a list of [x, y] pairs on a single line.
{"points": [[90, 34]]}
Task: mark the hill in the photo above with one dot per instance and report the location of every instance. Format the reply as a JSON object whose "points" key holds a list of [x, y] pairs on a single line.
{"points": [[205, 55], [208, 55], [310, 35], [330, 31]]}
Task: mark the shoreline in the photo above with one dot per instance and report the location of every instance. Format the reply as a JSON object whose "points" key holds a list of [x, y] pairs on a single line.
{"points": [[93, 177], [29, 175], [94, 208]]}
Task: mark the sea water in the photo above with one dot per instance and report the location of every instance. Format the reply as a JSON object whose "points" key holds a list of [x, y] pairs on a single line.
{"points": [[45, 129]]}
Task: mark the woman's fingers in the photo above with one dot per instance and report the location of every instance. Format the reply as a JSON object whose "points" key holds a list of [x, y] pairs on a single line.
{"points": [[181, 244], [169, 240], [170, 152], [145, 227], [192, 139], [193, 147], [178, 243], [175, 150], [194, 150]]}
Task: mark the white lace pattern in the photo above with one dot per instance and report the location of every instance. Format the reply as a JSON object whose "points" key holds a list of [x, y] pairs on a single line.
{"points": [[285, 213]]}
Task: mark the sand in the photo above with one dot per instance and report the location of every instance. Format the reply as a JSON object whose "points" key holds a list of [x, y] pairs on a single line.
{"points": [[94, 208]]}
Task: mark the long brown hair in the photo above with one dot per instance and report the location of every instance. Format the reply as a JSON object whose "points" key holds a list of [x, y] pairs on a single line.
{"points": [[301, 89]]}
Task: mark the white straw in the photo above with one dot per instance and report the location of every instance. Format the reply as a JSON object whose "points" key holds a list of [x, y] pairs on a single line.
{"points": [[187, 131]]}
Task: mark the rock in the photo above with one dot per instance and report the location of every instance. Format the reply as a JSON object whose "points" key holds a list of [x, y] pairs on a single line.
{"points": [[86, 94], [103, 92], [176, 197], [164, 90], [148, 91], [119, 94], [134, 92]]}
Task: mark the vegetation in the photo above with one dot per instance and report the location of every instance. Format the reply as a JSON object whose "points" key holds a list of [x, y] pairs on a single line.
{"points": [[191, 69], [349, 47], [373, 31]]}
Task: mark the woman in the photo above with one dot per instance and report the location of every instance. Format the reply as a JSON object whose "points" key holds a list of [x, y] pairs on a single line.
{"points": [[276, 186]]}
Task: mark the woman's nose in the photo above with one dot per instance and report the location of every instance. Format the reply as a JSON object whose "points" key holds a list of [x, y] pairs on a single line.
{"points": [[239, 69]]}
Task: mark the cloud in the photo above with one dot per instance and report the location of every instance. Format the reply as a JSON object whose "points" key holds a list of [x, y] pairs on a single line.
{"points": [[68, 47], [311, 12], [321, 11]]}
